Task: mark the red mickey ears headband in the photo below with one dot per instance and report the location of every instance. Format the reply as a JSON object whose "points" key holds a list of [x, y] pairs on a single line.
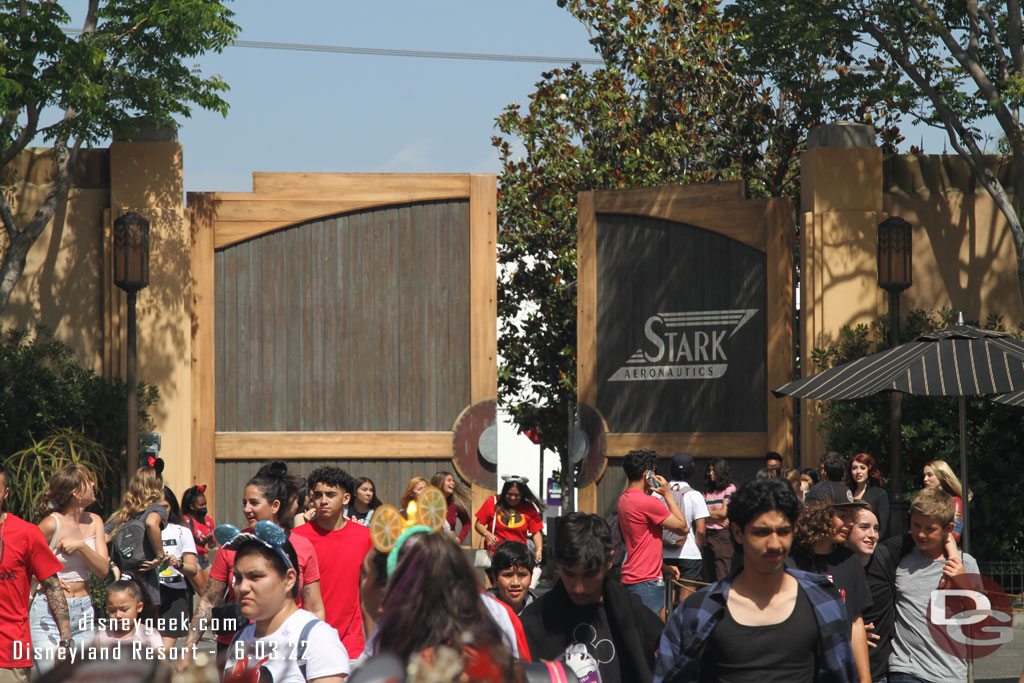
{"points": [[156, 463], [201, 488]]}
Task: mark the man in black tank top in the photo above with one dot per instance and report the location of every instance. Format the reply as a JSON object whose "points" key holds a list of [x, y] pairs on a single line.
{"points": [[764, 622]]}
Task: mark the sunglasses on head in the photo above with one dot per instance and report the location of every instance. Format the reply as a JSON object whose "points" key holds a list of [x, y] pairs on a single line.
{"points": [[265, 532]]}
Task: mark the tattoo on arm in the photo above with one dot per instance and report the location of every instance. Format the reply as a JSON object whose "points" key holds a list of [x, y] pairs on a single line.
{"points": [[212, 597], [306, 591], [58, 605]]}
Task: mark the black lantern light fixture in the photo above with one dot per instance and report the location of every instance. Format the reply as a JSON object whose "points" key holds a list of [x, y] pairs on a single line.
{"points": [[131, 252], [131, 273], [895, 244]]}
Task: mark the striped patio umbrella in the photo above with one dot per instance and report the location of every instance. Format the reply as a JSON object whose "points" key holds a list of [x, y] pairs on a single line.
{"points": [[1014, 398], [956, 361]]}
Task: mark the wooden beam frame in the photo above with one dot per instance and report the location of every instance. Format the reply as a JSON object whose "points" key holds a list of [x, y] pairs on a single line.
{"points": [[279, 200], [762, 224], [333, 445]]}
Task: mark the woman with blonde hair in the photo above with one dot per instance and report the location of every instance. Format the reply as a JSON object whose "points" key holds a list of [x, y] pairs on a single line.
{"points": [[144, 500], [938, 474], [76, 538]]}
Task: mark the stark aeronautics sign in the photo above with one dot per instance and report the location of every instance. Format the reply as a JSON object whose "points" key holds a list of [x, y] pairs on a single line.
{"points": [[684, 345]]}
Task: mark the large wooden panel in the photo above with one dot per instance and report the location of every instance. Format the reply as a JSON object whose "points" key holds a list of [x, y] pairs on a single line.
{"points": [[350, 323], [389, 476]]}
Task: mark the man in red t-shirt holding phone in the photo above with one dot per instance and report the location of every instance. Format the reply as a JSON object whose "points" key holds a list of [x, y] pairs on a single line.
{"points": [[642, 518]]}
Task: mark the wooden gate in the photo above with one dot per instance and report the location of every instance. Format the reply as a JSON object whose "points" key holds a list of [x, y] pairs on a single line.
{"points": [[344, 319], [684, 324]]}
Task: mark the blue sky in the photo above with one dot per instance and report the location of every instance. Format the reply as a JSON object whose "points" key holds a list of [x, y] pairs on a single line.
{"points": [[315, 111], [320, 111]]}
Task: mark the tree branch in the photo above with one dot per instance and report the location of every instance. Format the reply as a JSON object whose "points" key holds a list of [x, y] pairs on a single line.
{"points": [[28, 132], [972, 66], [1013, 35], [960, 137], [974, 33], [993, 35]]}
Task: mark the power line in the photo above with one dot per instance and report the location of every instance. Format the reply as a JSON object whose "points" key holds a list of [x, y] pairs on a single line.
{"points": [[384, 52]]}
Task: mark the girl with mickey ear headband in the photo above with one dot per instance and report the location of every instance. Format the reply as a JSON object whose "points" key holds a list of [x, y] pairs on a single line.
{"points": [[414, 617], [283, 642]]}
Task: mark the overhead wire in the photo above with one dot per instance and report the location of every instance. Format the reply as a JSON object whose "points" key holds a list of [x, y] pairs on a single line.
{"points": [[386, 52]]}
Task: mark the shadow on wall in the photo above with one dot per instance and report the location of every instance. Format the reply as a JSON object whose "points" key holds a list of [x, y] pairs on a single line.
{"points": [[61, 286], [964, 255], [164, 306]]}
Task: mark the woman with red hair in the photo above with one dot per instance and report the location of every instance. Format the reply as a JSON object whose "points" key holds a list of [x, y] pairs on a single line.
{"points": [[866, 483]]}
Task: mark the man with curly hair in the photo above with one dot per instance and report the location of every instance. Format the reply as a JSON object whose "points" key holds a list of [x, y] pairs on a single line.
{"points": [[821, 530], [764, 621], [340, 547]]}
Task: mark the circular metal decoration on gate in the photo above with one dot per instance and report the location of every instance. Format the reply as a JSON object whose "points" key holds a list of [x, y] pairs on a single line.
{"points": [[592, 424], [474, 450]]}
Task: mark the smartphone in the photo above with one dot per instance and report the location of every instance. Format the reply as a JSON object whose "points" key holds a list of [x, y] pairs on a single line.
{"points": [[649, 476]]}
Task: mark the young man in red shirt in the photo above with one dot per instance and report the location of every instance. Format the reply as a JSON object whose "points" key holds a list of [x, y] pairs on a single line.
{"points": [[340, 546], [642, 518], [24, 554]]}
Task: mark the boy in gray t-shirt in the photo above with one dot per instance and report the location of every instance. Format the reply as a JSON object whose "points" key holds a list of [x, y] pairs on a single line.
{"points": [[933, 559]]}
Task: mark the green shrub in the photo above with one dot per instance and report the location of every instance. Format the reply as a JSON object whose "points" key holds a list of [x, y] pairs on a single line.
{"points": [[930, 430], [52, 409]]}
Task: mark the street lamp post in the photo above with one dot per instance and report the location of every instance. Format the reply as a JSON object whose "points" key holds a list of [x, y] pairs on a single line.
{"points": [[131, 273], [895, 241]]}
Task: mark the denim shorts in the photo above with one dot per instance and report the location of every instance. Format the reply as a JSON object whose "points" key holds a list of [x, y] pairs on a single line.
{"points": [[651, 593], [45, 634]]}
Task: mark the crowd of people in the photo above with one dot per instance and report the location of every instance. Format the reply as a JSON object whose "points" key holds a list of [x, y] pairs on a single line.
{"points": [[791, 576]]}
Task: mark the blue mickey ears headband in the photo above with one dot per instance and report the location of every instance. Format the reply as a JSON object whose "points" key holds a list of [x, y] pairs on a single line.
{"points": [[266, 533]]}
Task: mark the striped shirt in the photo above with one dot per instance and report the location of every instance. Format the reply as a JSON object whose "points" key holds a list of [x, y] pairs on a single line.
{"points": [[715, 501]]}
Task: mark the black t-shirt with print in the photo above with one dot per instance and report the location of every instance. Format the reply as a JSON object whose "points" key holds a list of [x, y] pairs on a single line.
{"points": [[590, 645], [843, 567]]}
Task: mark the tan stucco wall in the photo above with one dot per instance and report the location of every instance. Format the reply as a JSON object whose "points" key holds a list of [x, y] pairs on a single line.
{"points": [[60, 287], [67, 283], [963, 253]]}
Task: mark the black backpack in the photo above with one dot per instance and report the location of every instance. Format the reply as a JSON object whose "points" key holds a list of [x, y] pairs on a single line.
{"points": [[618, 545], [130, 546]]}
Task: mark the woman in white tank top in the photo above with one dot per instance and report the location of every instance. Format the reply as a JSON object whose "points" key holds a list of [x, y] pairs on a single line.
{"points": [[76, 537]]}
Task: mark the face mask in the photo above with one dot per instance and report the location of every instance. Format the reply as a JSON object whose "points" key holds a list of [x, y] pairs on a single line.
{"points": [[200, 513]]}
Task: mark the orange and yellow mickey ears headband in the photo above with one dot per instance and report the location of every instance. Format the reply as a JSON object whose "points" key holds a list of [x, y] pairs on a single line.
{"points": [[388, 526]]}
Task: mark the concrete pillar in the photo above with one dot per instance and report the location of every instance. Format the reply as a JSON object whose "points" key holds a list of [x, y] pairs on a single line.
{"points": [[146, 177], [841, 206]]}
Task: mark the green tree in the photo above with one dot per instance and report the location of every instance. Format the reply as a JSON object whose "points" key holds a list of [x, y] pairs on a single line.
{"points": [[665, 108], [678, 100], [930, 430], [960, 66], [128, 62]]}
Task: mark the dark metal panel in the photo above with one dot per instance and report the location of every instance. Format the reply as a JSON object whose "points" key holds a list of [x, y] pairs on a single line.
{"points": [[659, 285]]}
